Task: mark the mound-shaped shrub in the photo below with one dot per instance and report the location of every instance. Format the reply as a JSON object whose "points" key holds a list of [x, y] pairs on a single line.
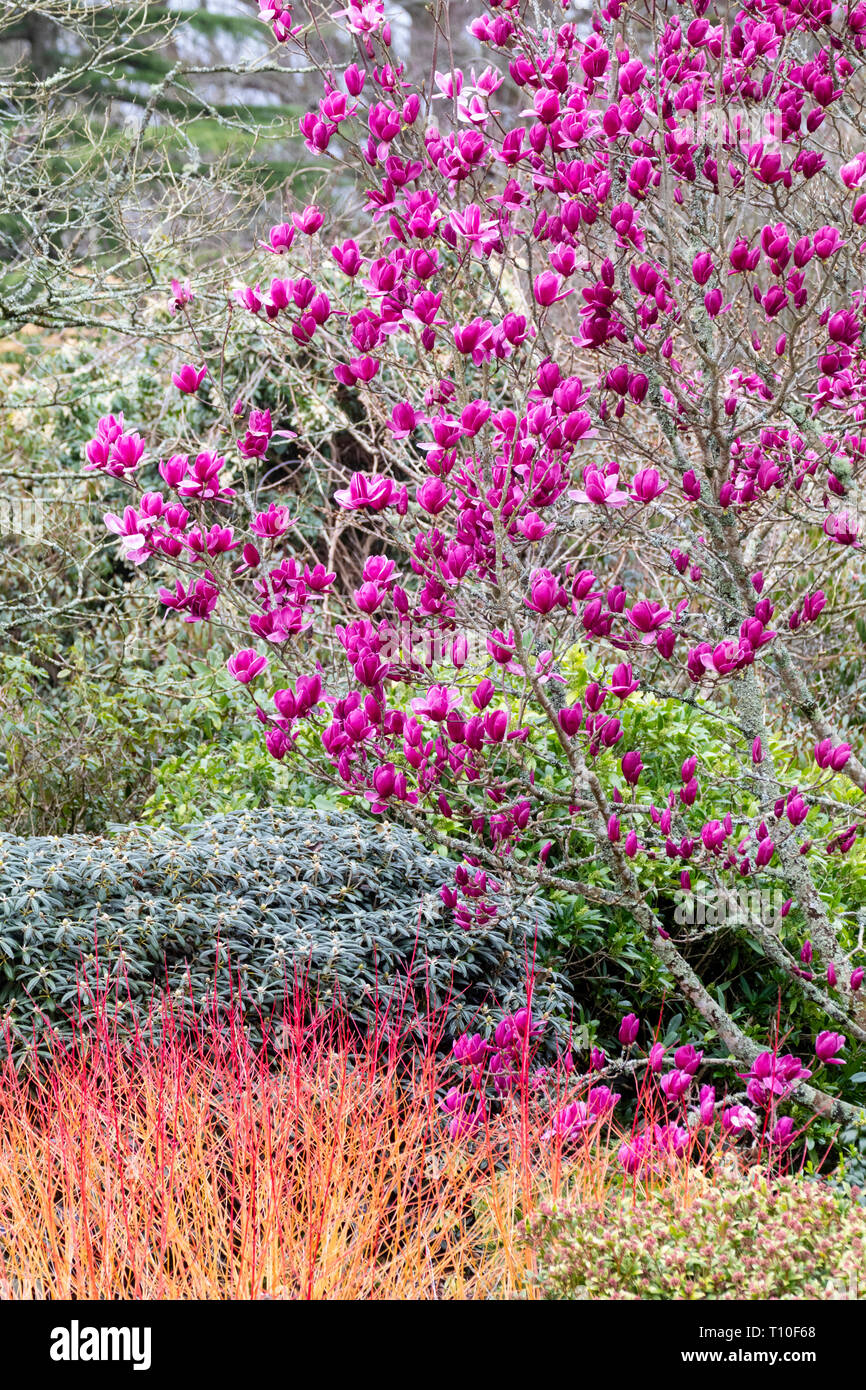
{"points": [[240, 910], [740, 1238]]}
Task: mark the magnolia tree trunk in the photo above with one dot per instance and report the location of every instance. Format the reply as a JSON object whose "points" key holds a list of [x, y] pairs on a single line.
{"points": [[598, 333]]}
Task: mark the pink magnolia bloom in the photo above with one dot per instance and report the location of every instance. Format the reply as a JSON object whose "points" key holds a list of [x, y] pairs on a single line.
{"points": [[404, 419], [246, 665], [181, 295], [843, 529], [688, 1058], [471, 1049], [280, 239], [174, 470], [198, 602], [546, 593], [308, 221], [547, 289], [132, 534], [622, 682], [482, 234], [647, 485], [274, 522], [707, 1099], [739, 1119], [113, 451], [628, 1029], [202, 479], [783, 1132], [437, 703], [374, 493], [188, 378], [632, 1156], [600, 488], [647, 616], [676, 1083], [570, 1122], [433, 496], [826, 1046], [632, 767], [773, 1075]]}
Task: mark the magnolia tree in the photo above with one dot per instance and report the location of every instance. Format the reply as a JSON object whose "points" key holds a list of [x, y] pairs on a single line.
{"points": [[599, 331]]}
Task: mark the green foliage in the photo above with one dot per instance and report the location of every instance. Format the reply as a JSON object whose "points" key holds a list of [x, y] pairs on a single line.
{"points": [[97, 708], [233, 773], [241, 910], [603, 951], [737, 1238], [82, 734]]}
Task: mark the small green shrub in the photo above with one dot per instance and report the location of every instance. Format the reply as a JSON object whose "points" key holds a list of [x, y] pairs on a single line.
{"points": [[744, 1238], [247, 906]]}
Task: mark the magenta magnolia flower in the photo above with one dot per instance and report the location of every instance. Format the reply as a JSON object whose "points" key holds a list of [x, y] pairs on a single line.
{"points": [[174, 470], [600, 488], [202, 478], [628, 1029], [547, 593], [632, 767], [181, 295], [632, 1156], [783, 1132], [601, 1099], [843, 529], [827, 1045], [188, 378], [246, 665], [372, 493], [647, 616], [404, 419], [481, 233], [688, 1058], [707, 1104], [547, 289], [570, 1122], [676, 1083], [739, 1119], [308, 221], [438, 702], [274, 522], [112, 450], [471, 1049], [433, 496], [773, 1074], [198, 602], [622, 682], [647, 485], [280, 239], [828, 755]]}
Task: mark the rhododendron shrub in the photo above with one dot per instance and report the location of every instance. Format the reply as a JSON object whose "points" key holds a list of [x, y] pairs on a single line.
{"points": [[598, 327], [240, 914]]}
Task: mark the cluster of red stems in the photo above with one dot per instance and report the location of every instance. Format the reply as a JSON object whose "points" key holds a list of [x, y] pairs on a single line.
{"points": [[605, 324]]}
